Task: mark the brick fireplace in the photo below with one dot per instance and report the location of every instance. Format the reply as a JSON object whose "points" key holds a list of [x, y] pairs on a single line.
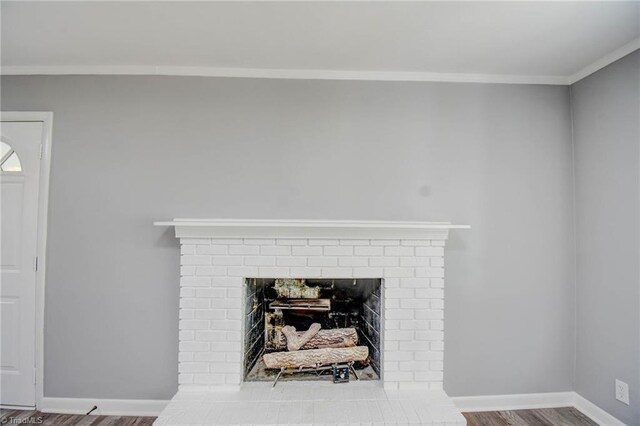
{"points": [[218, 257]]}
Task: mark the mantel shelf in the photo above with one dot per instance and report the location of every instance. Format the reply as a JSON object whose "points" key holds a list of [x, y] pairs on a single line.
{"points": [[231, 228]]}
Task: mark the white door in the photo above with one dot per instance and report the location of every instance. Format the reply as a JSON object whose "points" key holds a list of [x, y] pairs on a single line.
{"points": [[19, 186]]}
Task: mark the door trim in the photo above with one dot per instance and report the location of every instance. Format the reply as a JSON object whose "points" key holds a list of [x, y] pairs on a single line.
{"points": [[46, 118]]}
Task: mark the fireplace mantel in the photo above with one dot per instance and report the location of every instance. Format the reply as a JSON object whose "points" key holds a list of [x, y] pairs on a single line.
{"points": [[233, 228]]}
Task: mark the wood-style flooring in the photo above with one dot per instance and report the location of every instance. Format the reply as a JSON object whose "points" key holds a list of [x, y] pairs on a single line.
{"points": [[544, 417]]}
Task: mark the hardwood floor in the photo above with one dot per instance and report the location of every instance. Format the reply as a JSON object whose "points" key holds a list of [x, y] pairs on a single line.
{"points": [[567, 416]]}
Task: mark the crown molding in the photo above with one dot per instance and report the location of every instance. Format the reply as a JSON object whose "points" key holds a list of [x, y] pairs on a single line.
{"points": [[608, 59], [293, 74]]}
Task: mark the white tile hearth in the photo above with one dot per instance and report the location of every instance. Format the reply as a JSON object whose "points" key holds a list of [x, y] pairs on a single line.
{"points": [[297, 403]]}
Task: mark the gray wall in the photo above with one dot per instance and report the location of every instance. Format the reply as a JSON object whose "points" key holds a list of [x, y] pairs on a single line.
{"points": [[606, 112], [131, 150]]}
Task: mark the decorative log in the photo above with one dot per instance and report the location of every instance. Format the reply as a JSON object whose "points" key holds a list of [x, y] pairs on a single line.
{"points": [[295, 341], [315, 357], [327, 338]]}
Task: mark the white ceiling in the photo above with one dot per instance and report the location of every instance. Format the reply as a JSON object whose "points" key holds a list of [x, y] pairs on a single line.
{"points": [[537, 42]]}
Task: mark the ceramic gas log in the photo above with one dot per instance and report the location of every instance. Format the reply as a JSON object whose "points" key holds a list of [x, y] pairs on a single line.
{"points": [[315, 357]]}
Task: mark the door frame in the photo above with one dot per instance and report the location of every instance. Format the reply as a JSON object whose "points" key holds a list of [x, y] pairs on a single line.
{"points": [[46, 118]]}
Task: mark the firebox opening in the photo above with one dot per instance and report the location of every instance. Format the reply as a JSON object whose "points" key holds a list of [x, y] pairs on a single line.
{"points": [[347, 312]]}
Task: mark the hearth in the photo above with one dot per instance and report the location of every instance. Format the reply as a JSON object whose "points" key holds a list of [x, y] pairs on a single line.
{"points": [[321, 315]]}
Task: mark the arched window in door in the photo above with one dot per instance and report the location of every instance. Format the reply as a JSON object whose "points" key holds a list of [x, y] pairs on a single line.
{"points": [[9, 160]]}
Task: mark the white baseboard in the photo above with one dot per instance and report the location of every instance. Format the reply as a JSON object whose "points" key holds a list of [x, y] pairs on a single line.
{"points": [[514, 401], [531, 401], [594, 412], [106, 407]]}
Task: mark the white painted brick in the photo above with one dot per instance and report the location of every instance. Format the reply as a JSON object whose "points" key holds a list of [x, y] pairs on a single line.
{"points": [[414, 366], [429, 293], [209, 314], [193, 346], [244, 250], [398, 376], [430, 272], [384, 261], [430, 251], [391, 346], [429, 355], [232, 379], [322, 261], [225, 367], [427, 314], [354, 242], [305, 272], [398, 251], [437, 346], [390, 366], [225, 303], [353, 261], [391, 282], [436, 325], [392, 303], [193, 367], [413, 304], [195, 260], [398, 356], [208, 379], [275, 250], [392, 324], [233, 357], [321, 242], [227, 260], [186, 335], [337, 272], [226, 325], [186, 356], [187, 249], [195, 281], [436, 261], [291, 261], [226, 281], [412, 261], [242, 271], [416, 242], [368, 251], [414, 282], [414, 324], [211, 271], [234, 336], [398, 314], [291, 242], [436, 283], [367, 272], [438, 243], [429, 335], [385, 242], [225, 346], [399, 335], [416, 345], [187, 314], [306, 251], [195, 241], [273, 271], [194, 303], [186, 270], [338, 251], [436, 304], [193, 325], [185, 379], [436, 366], [209, 356], [260, 260], [211, 336], [398, 272], [213, 249], [187, 292], [225, 241], [234, 314], [234, 292], [259, 241], [211, 292], [429, 376], [399, 293]]}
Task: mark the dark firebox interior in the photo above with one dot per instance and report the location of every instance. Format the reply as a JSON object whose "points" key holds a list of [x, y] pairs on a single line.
{"points": [[354, 303]]}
